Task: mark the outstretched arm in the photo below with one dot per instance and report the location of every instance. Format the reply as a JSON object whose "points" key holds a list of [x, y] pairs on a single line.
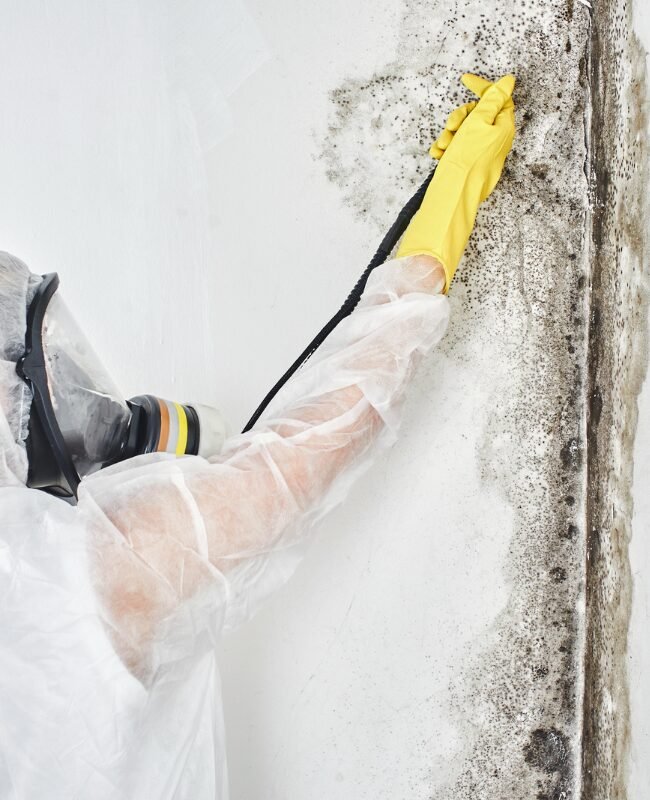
{"points": [[166, 529], [169, 531]]}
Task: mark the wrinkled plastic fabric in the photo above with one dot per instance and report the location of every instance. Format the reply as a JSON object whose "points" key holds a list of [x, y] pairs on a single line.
{"points": [[111, 611], [17, 287]]}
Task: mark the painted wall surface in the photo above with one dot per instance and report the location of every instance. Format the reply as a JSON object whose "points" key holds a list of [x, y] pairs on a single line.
{"points": [[209, 179]]}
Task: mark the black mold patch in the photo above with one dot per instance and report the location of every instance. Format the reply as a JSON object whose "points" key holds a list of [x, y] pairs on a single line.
{"points": [[547, 750], [558, 574], [570, 454], [571, 532]]}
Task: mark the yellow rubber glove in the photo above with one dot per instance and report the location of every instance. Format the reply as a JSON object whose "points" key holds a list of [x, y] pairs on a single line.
{"points": [[472, 150]]}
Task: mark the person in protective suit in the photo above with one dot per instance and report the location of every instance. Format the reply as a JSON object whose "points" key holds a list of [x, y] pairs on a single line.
{"points": [[111, 608]]}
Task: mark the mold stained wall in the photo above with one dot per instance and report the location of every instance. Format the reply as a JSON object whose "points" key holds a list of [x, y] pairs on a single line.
{"points": [[209, 178], [617, 362]]}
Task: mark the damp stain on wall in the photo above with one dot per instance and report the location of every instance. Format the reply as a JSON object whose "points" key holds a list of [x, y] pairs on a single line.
{"points": [[617, 363], [528, 280]]}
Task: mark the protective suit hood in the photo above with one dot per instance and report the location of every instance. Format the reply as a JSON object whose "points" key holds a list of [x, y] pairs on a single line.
{"points": [[17, 287]]}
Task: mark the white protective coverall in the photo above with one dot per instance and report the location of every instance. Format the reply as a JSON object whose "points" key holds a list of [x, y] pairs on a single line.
{"points": [[111, 611]]}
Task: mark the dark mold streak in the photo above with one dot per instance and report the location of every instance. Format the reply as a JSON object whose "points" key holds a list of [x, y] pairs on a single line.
{"points": [[617, 357]]}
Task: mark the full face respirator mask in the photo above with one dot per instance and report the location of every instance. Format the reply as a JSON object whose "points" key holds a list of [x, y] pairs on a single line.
{"points": [[79, 422]]}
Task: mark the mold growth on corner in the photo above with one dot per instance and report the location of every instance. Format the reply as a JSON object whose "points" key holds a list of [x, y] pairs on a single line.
{"points": [[616, 369], [523, 283]]}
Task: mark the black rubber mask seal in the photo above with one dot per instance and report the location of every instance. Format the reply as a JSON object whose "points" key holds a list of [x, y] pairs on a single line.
{"points": [[50, 465]]}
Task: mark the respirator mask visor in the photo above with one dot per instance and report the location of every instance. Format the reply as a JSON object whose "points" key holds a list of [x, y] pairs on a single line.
{"points": [[79, 421]]}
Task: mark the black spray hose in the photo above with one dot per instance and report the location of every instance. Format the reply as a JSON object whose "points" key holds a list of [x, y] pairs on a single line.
{"points": [[383, 252]]}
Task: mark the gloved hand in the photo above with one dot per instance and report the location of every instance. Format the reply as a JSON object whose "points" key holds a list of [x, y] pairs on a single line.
{"points": [[472, 150], [478, 86]]}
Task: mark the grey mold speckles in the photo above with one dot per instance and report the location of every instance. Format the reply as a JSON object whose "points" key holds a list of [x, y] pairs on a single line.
{"points": [[554, 273]]}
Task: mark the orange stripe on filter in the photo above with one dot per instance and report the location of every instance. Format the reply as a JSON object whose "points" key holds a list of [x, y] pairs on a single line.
{"points": [[163, 439]]}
